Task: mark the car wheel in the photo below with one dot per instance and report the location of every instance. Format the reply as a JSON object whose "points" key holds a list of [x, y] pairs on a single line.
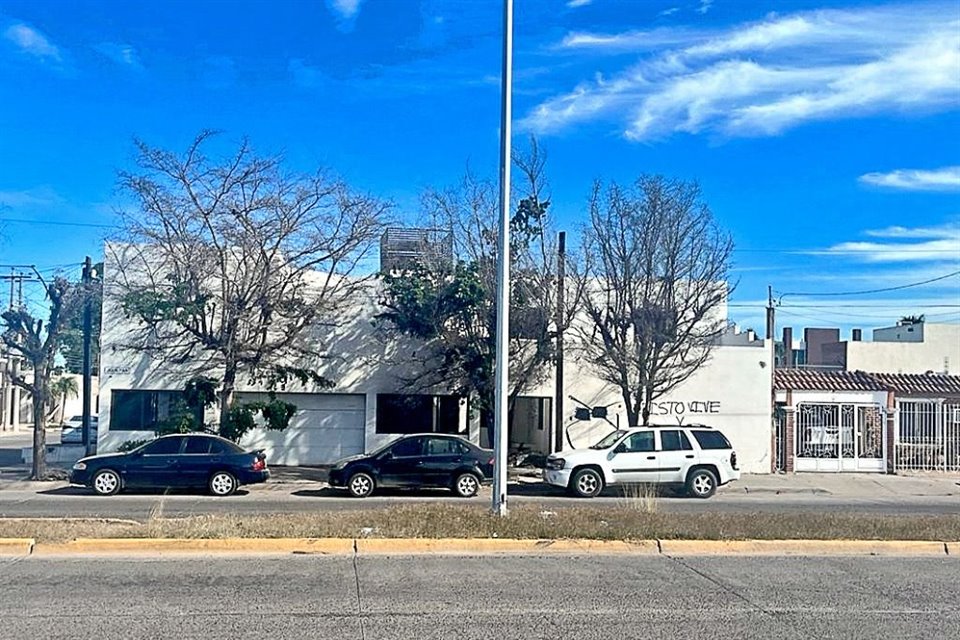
{"points": [[701, 483], [586, 483], [222, 484], [360, 485], [466, 485], [106, 482]]}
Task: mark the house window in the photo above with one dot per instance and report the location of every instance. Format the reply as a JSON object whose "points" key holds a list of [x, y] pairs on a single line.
{"points": [[413, 413], [144, 410]]}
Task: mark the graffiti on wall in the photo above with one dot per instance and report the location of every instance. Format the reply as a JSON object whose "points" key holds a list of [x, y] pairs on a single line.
{"points": [[689, 408]]}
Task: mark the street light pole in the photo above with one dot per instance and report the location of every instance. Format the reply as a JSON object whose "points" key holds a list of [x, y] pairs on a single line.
{"points": [[502, 360]]}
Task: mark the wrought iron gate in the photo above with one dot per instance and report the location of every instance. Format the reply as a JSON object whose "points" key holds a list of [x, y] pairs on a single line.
{"points": [[839, 437], [927, 436]]}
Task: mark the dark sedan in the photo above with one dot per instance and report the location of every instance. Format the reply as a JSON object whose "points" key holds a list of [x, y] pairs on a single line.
{"points": [[421, 460], [192, 460]]}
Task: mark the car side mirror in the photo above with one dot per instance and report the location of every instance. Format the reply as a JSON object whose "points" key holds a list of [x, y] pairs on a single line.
{"points": [[387, 455], [621, 448]]}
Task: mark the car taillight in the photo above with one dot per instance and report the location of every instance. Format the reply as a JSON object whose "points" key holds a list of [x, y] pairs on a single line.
{"points": [[733, 459], [490, 461], [259, 464]]}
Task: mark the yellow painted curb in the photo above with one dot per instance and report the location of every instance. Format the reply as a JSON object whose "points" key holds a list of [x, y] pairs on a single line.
{"points": [[15, 546], [342, 546], [405, 546], [953, 548], [803, 547]]}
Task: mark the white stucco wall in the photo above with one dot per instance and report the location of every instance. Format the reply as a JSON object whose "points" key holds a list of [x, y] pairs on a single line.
{"points": [[938, 351], [731, 392]]}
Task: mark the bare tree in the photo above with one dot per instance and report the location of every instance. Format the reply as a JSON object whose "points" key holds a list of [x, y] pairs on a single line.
{"points": [[451, 307], [37, 342], [237, 264], [656, 284]]}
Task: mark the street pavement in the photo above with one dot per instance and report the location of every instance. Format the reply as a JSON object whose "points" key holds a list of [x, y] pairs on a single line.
{"points": [[481, 597], [294, 490]]}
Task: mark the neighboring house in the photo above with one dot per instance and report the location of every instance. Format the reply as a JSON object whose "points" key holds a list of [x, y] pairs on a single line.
{"points": [[369, 404], [833, 421]]}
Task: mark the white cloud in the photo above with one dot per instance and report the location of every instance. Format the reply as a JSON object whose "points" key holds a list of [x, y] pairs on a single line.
{"points": [[912, 245], [345, 10], [944, 179], [32, 42], [669, 12], [763, 78], [122, 54], [705, 5], [578, 3], [627, 41]]}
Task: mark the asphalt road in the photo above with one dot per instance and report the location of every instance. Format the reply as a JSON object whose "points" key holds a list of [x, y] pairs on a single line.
{"points": [[65, 501], [504, 597]]}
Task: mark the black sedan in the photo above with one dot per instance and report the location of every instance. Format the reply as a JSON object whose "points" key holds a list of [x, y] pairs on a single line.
{"points": [[421, 460], [192, 460]]}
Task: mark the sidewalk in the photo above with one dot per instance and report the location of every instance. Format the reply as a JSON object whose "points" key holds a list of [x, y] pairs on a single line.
{"points": [[860, 485]]}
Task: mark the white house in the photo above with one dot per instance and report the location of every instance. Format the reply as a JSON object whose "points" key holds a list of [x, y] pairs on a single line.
{"points": [[369, 404]]}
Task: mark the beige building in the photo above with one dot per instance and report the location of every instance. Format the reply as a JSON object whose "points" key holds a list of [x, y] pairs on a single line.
{"points": [[908, 347]]}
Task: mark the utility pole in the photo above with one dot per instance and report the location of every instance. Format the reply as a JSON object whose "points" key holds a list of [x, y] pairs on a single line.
{"points": [[771, 328], [87, 329], [502, 360], [558, 395]]}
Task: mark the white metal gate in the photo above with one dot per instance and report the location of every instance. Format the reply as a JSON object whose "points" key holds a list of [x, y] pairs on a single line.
{"points": [[927, 436], [839, 437]]}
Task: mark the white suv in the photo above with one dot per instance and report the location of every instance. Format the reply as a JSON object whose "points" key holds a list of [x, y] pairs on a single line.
{"points": [[697, 457]]}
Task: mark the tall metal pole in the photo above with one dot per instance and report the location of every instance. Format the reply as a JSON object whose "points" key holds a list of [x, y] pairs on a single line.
{"points": [[502, 360], [561, 288], [87, 329]]}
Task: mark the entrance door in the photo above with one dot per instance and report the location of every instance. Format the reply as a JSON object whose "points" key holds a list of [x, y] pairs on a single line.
{"points": [[839, 437]]}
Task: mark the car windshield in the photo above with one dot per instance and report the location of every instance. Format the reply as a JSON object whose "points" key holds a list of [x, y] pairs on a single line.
{"points": [[607, 442]]}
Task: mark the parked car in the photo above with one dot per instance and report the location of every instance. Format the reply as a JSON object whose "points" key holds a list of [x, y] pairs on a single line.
{"points": [[192, 460], [419, 460], [696, 457], [72, 430]]}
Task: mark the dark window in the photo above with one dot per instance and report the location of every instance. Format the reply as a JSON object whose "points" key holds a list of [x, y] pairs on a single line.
{"points": [[408, 448], [675, 441], [711, 440], [145, 410], [198, 445], [642, 441], [220, 447], [163, 447], [443, 447], [415, 413]]}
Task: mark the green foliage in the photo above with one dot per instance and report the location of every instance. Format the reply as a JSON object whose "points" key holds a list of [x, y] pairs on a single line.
{"points": [[243, 417], [201, 392], [182, 420], [278, 376], [130, 445], [71, 336]]}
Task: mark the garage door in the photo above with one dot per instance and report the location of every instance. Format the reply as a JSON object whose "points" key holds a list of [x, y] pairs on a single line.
{"points": [[326, 427]]}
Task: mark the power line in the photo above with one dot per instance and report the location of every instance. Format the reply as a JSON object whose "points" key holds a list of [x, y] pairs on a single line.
{"points": [[860, 293], [60, 223]]}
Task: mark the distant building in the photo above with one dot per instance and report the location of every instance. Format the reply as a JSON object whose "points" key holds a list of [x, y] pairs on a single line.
{"points": [[907, 347]]}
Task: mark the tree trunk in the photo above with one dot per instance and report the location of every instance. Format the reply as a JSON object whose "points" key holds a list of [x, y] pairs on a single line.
{"points": [[226, 395], [39, 467]]}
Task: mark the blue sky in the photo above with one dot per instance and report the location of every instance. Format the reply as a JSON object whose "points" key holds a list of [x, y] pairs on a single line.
{"points": [[825, 136]]}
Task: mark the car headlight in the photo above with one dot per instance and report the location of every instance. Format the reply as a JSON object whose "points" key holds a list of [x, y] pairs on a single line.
{"points": [[80, 466], [555, 463]]}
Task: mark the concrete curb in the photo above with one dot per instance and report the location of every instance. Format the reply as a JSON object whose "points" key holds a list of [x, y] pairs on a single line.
{"points": [[16, 546], [457, 546], [162, 546], [804, 547], [373, 546]]}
